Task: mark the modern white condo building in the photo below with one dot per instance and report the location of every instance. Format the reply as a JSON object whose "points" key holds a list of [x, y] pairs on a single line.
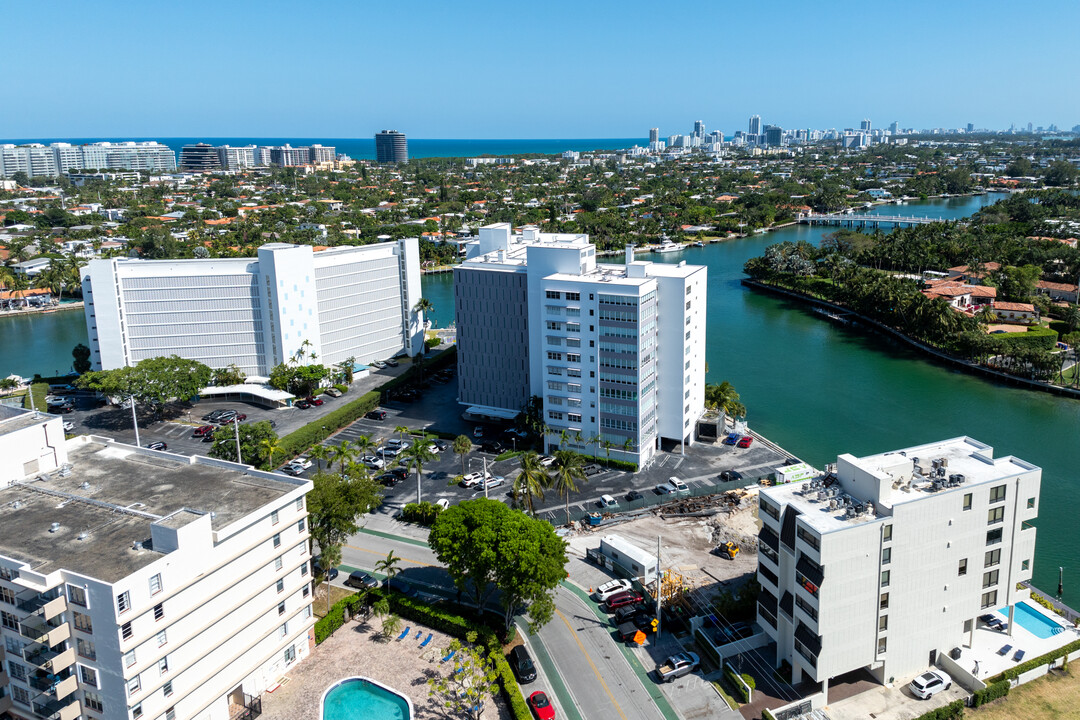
{"points": [[615, 352], [138, 584], [890, 559], [37, 160], [257, 312]]}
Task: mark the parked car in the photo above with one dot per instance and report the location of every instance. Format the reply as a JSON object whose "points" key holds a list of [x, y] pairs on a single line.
{"points": [[373, 462], [677, 666], [378, 364], [399, 444], [333, 392], [522, 664], [203, 430], [316, 567], [398, 472], [546, 461], [314, 400], [634, 495], [678, 484], [494, 481], [389, 451], [730, 475], [360, 580], [388, 480], [628, 597], [434, 448], [592, 469], [213, 415], [158, 445], [493, 448], [606, 501], [68, 426], [302, 404], [376, 415], [208, 437], [664, 489], [478, 432], [293, 470], [626, 613], [746, 441], [731, 439], [302, 462], [471, 479], [441, 444], [398, 585], [612, 587], [392, 362], [737, 631], [929, 684], [225, 417], [541, 706]]}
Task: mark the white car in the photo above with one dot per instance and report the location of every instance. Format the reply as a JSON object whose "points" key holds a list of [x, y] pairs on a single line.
{"points": [[301, 462], [471, 479], [930, 683], [608, 501], [68, 426], [399, 444], [378, 364], [546, 461], [389, 451], [494, 481], [613, 587], [435, 449], [373, 462], [678, 484]]}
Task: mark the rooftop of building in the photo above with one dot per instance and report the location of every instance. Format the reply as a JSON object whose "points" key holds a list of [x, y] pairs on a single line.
{"points": [[109, 500], [835, 500], [13, 419]]}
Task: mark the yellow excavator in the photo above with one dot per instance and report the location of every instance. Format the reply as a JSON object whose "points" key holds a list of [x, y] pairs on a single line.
{"points": [[729, 550]]}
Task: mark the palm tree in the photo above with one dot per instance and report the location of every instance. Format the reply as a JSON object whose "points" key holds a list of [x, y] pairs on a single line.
{"points": [[423, 305], [365, 445], [564, 437], [413, 458], [724, 397], [402, 431], [342, 453], [319, 453], [569, 470], [532, 481], [271, 448], [461, 447], [389, 566]]}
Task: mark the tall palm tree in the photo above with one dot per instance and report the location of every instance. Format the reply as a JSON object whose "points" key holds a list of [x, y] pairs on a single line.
{"points": [[568, 471], [413, 458], [423, 305], [532, 481], [365, 445], [389, 566], [319, 453], [402, 431], [342, 453], [461, 447], [271, 448]]}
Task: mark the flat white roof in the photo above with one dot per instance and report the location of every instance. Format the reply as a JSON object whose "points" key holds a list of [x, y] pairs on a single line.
{"points": [[262, 391]]}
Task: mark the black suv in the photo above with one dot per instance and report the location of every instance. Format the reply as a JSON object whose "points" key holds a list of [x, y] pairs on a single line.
{"points": [[522, 664]]}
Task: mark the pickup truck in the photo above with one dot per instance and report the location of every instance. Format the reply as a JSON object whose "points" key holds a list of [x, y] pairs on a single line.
{"points": [[676, 666]]}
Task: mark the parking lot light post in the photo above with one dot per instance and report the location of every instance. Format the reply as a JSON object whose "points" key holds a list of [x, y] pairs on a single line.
{"points": [[236, 431], [134, 421], [483, 478]]}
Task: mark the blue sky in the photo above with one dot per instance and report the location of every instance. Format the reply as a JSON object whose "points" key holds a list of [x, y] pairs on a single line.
{"points": [[509, 69]]}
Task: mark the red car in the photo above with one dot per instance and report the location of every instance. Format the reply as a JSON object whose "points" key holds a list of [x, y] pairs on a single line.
{"points": [[745, 441], [200, 431], [314, 400], [630, 597], [541, 706]]}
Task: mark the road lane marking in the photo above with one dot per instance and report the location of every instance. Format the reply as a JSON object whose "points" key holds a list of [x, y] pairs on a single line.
{"points": [[591, 664]]}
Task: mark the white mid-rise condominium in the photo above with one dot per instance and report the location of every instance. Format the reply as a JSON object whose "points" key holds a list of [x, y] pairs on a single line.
{"points": [[615, 352], [890, 559], [38, 160], [137, 584], [340, 302]]}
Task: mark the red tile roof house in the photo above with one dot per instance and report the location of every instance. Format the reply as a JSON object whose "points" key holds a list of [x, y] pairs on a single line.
{"points": [[1011, 312], [1057, 291], [962, 271]]}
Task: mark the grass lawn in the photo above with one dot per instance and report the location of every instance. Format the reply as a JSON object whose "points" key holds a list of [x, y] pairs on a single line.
{"points": [[318, 603], [1048, 698]]}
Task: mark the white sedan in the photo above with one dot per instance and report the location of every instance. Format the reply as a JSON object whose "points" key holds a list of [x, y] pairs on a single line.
{"points": [[473, 478], [373, 462], [68, 426], [546, 461], [301, 462]]}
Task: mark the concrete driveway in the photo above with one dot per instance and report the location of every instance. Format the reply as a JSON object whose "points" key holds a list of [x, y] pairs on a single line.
{"points": [[892, 703]]}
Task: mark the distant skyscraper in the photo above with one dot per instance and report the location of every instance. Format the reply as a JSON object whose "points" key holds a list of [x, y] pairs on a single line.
{"points": [[755, 125], [1029, 127], [699, 128], [654, 134], [391, 147], [894, 127], [200, 157], [971, 127], [865, 126], [774, 135]]}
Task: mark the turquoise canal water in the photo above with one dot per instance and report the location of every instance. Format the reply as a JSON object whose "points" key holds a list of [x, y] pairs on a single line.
{"points": [[820, 389], [40, 343], [358, 699]]}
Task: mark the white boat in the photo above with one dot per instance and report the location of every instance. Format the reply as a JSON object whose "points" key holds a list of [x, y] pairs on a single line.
{"points": [[668, 247], [699, 244]]}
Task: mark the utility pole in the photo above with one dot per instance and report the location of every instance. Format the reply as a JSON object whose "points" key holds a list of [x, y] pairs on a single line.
{"points": [[134, 420], [658, 588], [484, 478], [236, 431]]}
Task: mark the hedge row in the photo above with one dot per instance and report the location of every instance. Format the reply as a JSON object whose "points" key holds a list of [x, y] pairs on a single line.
{"points": [[735, 683], [1018, 670], [1037, 338], [990, 693], [706, 647], [952, 711], [315, 432], [325, 627], [423, 513]]}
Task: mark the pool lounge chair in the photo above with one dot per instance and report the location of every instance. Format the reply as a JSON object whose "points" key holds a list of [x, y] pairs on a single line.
{"points": [[1005, 650], [404, 633], [426, 641], [449, 655], [1018, 656]]}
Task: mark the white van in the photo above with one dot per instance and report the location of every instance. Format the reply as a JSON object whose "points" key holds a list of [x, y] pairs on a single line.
{"points": [[678, 484], [607, 501]]}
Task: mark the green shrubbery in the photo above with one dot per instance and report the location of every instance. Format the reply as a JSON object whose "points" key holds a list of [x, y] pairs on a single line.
{"points": [[990, 693], [952, 711], [735, 684], [1035, 338], [325, 627], [433, 342], [1018, 670], [706, 647], [315, 432], [423, 513]]}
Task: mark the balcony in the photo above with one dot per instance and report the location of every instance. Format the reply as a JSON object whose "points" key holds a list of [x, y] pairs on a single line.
{"points": [[43, 657], [58, 709], [251, 709], [37, 629], [43, 605], [5, 703], [53, 688]]}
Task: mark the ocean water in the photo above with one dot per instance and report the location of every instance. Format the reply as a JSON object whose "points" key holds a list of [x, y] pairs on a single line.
{"points": [[364, 148]]}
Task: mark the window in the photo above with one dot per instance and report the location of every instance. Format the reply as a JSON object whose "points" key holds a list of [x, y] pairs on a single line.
{"points": [[967, 501], [129, 658], [882, 643], [88, 675], [85, 648], [990, 578], [281, 608], [992, 558], [884, 604], [163, 665], [159, 611], [9, 621], [277, 563], [83, 623], [303, 568], [989, 599], [770, 509], [306, 591], [7, 596], [300, 525], [125, 631], [997, 494], [883, 623], [290, 654], [283, 630], [299, 504], [963, 567], [1025, 564], [886, 555], [993, 537], [886, 533], [20, 695], [134, 685], [274, 517], [809, 538], [170, 714], [885, 578], [123, 602], [162, 638], [1031, 503], [281, 585], [17, 671], [76, 595], [995, 515], [92, 701], [166, 689], [552, 294], [155, 584], [136, 712], [277, 539]]}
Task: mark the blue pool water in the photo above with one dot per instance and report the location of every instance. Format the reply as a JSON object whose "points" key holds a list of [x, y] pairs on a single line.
{"points": [[360, 699], [1033, 621]]}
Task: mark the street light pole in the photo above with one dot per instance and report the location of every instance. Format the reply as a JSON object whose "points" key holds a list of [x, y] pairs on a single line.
{"points": [[484, 478], [658, 586], [134, 421], [236, 431]]}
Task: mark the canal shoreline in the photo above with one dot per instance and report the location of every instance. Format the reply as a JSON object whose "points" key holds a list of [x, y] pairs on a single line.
{"points": [[78, 305], [881, 328]]}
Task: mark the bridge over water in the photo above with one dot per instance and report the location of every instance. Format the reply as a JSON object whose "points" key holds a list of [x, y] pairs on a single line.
{"points": [[857, 220]]}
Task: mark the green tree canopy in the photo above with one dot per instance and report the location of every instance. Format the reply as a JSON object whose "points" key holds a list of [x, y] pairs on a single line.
{"points": [[724, 397], [486, 546], [252, 450], [230, 375], [334, 505], [81, 355], [154, 381]]}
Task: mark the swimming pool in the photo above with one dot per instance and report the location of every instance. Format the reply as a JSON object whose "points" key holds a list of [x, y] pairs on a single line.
{"points": [[1033, 621], [360, 698]]}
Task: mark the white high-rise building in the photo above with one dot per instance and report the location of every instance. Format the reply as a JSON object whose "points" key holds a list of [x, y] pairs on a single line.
{"points": [[37, 160], [236, 158], [347, 301], [142, 584], [614, 351], [654, 134], [754, 126], [891, 558]]}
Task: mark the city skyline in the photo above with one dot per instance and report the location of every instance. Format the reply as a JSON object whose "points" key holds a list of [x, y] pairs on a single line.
{"points": [[608, 87]]}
